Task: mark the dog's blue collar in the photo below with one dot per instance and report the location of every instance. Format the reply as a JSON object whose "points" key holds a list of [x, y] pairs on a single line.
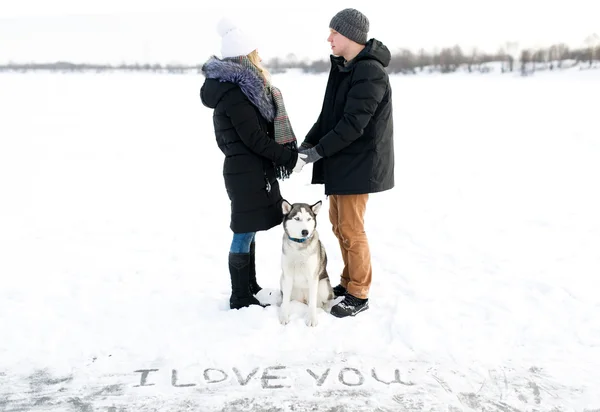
{"points": [[301, 240]]}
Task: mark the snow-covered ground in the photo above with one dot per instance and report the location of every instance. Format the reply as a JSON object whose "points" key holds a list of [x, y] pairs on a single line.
{"points": [[114, 238]]}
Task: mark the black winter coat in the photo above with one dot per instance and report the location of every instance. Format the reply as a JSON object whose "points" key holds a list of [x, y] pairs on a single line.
{"points": [[243, 125], [354, 132]]}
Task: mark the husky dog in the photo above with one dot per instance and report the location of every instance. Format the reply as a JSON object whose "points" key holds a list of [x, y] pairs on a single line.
{"points": [[303, 262]]}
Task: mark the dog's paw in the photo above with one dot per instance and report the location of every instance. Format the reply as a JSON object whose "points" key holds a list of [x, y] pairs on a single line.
{"points": [[269, 296], [312, 320], [284, 317]]}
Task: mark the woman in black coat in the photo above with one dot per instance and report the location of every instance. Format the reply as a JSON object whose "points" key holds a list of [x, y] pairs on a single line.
{"points": [[253, 131]]}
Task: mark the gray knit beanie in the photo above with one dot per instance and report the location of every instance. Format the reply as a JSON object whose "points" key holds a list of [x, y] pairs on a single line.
{"points": [[352, 24]]}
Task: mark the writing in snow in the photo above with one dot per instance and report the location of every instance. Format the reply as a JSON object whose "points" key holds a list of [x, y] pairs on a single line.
{"points": [[272, 377]]}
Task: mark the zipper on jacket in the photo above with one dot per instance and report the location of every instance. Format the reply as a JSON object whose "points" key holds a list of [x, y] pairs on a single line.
{"points": [[268, 184]]}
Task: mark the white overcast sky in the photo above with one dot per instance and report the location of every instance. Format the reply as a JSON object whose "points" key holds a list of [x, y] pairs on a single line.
{"points": [[183, 31]]}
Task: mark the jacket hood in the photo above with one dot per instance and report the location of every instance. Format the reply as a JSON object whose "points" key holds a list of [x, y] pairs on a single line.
{"points": [[374, 50], [224, 75]]}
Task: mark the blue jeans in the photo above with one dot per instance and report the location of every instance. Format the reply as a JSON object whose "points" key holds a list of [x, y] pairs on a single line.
{"points": [[241, 242]]}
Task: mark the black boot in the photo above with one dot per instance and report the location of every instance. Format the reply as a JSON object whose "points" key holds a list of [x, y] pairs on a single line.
{"points": [[239, 270], [254, 287]]}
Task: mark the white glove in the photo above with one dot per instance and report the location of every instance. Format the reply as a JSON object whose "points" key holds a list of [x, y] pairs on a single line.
{"points": [[300, 163]]}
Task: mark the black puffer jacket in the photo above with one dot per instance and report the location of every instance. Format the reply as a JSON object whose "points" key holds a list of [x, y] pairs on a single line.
{"points": [[354, 132], [243, 123]]}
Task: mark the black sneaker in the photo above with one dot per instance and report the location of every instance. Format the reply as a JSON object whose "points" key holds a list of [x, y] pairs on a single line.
{"points": [[350, 306], [339, 290]]}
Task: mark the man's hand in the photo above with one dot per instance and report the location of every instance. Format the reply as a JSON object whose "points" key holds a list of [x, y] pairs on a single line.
{"points": [[311, 155]]}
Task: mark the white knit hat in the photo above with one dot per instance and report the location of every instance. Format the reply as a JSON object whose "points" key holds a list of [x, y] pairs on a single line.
{"points": [[234, 42]]}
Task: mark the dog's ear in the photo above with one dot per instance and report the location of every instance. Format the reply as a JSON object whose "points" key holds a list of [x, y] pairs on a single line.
{"points": [[316, 207], [286, 208]]}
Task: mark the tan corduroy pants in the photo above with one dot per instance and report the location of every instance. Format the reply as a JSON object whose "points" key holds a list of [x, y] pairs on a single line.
{"points": [[347, 215]]}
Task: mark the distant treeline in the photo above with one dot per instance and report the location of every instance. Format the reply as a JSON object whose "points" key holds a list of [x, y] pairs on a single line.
{"points": [[449, 60], [446, 60], [87, 67]]}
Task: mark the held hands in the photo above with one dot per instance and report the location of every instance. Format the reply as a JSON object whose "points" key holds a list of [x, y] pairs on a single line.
{"points": [[306, 154], [311, 155]]}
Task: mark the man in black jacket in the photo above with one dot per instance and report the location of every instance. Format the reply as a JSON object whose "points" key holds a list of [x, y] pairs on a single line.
{"points": [[351, 145]]}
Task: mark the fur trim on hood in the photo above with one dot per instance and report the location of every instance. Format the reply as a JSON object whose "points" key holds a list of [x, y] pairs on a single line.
{"points": [[252, 85]]}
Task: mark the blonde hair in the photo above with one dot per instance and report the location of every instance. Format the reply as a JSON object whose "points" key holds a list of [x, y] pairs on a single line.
{"points": [[255, 60]]}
